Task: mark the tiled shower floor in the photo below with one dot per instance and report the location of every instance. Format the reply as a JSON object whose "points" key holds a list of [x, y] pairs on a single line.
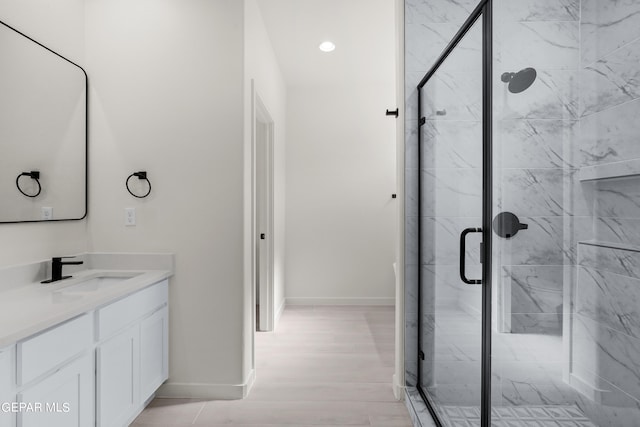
{"points": [[527, 385], [531, 416]]}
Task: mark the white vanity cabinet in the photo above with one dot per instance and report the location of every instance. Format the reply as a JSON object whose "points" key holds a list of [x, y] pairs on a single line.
{"points": [[154, 351], [117, 382], [64, 398], [7, 386], [99, 368], [55, 376], [132, 354]]}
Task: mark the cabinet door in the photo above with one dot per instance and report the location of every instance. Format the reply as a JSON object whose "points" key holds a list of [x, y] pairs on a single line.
{"points": [[118, 378], [153, 352], [63, 399], [7, 387]]}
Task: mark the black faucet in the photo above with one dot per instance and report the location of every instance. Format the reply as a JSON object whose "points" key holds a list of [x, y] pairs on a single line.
{"points": [[56, 268]]}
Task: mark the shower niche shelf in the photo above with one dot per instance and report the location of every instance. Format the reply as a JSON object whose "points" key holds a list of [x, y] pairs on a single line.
{"points": [[611, 245], [624, 169]]}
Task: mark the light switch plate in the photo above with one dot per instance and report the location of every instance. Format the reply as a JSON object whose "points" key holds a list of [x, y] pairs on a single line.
{"points": [[129, 216], [47, 213]]}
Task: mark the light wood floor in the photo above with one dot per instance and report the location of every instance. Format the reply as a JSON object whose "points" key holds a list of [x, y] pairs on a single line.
{"points": [[324, 366]]}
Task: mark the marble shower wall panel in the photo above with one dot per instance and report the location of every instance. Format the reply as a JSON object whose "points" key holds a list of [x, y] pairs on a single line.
{"points": [[538, 10], [445, 278], [535, 157], [547, 248], [625, 413], [541, 192], [554, 95], [543, 45], [453, 144], [452, 193], [605, 329], [619, 198], [453, 12], [514, 393], [411, 147], [610, 299], [411, 254], [411, 349], [537, 289], [411, 101], [606, 332], [610, 259], [609, 355], [434, 37], [453, 96], [539, 144], [411, 280], [441, 243], [536, 323], [607, 26], [618, 230], [611, 135], [429, 26], [612, 80]]}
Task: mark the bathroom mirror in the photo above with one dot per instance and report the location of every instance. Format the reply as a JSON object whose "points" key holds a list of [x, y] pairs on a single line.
{"points": [[43, 132]]}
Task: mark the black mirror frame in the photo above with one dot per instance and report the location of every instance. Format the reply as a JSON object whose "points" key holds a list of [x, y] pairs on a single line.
{"points": [[86, 135]]}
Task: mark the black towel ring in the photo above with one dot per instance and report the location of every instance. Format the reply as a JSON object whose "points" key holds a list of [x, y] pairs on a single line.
{"points": [[141, 175], [35, 175]]}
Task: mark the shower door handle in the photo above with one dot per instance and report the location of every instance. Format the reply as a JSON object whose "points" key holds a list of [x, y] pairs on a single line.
{"points": [[463, 244]]}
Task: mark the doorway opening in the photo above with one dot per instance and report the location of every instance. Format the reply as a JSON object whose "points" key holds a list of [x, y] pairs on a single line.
{"points": [[263, 134]]}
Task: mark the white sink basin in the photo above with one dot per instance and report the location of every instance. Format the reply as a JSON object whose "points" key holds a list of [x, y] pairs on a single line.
{"points": [[93, 284]]}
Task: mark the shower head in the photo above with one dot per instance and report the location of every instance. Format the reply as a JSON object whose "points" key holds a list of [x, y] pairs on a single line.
{"points": [[520, 81]]}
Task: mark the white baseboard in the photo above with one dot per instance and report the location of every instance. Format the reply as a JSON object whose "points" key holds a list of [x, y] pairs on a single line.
{"points": [[249, 384], [207, 391], [279, 312], [340, 301], [398, 389]]}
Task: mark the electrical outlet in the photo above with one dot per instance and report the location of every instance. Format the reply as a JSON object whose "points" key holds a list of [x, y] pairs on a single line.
{"points": [[129, 216], [47, 213]]}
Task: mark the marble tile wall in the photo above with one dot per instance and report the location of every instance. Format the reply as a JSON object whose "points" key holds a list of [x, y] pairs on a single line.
{"points": [[605, 333], [452, 179], [536, 159], [582, 111], [429, 26], [610, 107]]}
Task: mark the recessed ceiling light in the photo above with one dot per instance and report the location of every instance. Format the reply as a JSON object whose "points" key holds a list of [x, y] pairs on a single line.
{"points": [[327, 46]]}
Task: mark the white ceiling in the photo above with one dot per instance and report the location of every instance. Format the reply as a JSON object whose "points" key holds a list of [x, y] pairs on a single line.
{"points": [[363, 31]]}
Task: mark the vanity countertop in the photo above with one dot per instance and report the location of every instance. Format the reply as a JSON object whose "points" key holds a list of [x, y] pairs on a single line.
{"points": [[28, 309]]}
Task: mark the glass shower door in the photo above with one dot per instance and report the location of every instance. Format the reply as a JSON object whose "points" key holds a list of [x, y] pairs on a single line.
{"points": [[566, 347], [451, 213]]}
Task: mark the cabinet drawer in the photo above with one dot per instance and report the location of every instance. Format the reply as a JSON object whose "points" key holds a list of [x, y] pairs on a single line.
{"points": [[7, 385], [49, 349], [67, 397], [118, 315], [7, 374]]}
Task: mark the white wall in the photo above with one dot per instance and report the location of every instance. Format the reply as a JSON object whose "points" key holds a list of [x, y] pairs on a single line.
{"points": [[167, 97], [341, 155], [399, 377], [60, 26], [40, 88], [262, 67]]}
